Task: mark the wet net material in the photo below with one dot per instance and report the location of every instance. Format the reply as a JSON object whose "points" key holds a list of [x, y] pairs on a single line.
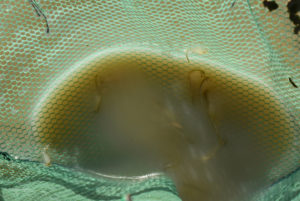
{"points": [[239, 58], [27, 180]]}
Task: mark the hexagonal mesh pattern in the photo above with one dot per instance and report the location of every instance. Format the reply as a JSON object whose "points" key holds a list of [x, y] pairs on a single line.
{"points": [[249, 54]]}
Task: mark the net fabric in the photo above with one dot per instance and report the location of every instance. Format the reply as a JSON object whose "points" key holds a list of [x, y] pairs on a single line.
{"points": [[287, 188], [239, 36], [23, 180]]}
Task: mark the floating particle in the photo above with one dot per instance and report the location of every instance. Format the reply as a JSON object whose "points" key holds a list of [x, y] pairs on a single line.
{"points": [[46, 156], [293, 83], [271, 5]]}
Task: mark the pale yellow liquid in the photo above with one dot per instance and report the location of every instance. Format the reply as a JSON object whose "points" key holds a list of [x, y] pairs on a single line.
{"points": [[211, 130]]}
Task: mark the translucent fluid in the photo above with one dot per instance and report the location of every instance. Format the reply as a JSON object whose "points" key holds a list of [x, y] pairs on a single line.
{"points": [[205, 127]]}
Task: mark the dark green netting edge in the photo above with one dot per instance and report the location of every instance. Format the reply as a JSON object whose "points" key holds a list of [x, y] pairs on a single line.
{"points": [[15, 172], [285, 189]]}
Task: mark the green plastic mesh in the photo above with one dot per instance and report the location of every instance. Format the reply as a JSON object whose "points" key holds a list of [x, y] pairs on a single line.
{"points": [[56, 183], [51, 53]]}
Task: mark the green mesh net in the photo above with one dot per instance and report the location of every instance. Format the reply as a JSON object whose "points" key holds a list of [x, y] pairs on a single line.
{"points": [[27, 180], [220, 120]]}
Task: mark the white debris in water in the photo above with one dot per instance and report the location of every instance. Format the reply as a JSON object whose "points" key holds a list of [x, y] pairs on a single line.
{"points": [[46, 157]]}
